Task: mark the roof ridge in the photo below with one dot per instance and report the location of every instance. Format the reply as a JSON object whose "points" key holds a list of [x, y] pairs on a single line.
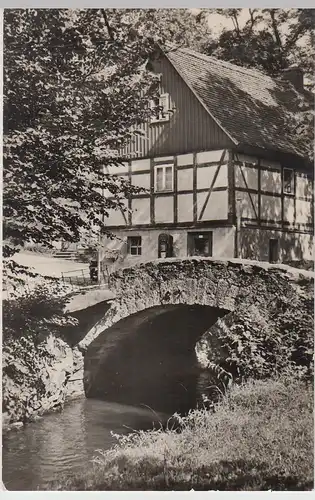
{"points": [[236, 67]]}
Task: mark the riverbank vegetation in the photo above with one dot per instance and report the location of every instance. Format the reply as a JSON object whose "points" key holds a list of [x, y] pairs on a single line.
{"points": [[259, 437], [35, 354]]}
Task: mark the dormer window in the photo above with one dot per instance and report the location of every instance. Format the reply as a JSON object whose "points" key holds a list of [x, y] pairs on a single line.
{"points": [[162, 107]]}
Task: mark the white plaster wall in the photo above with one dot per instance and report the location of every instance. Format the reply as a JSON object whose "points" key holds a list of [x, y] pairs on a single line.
{"points": [[304, 186], [217, 206], [270, 208], [116, 217], [185, 159], [303, 211], [293, 246], [185, 179], [205, 176], [270, 181], [164, 209], [288, 209], [141, 180], [250, 174], [185, 207], [140, 211], [209, 156], [140, 165], [223, 243], [245, 204]]}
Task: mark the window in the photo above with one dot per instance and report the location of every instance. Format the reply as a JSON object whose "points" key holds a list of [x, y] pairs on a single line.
{"points": [[134, 245], [288, 181], [200, 244], [164, 178], [162, 106]]}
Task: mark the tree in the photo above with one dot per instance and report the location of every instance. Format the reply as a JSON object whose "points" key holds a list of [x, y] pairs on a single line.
{"points": [[181, 27], [75, 81], [270, 39]]}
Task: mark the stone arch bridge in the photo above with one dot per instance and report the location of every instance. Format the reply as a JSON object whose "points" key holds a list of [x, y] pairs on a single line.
{"points": [[195, 290]]}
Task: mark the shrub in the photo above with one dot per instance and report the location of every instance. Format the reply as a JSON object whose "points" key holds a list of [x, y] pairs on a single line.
{"points": [[256, 345], [32, 324], [35, 313]]}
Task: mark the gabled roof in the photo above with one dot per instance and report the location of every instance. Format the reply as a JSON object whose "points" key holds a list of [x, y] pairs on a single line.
{"points": [[250, 107]]}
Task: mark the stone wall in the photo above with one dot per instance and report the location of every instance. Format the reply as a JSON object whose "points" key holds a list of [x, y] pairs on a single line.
{"points": [[38, 378], [222, 284]]}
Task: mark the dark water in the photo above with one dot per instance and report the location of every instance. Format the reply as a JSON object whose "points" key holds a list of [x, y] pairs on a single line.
{"points": [[140, 373], [63, 444]]}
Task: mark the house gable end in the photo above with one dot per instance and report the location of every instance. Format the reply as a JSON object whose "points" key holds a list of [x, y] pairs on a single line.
{"points": [[190, 127]]}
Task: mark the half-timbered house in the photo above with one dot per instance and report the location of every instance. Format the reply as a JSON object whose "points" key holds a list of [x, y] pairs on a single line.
{"points": [[223, 172]]}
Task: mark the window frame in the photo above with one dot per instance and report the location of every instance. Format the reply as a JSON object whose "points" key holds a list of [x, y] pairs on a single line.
{"points": [[163, 116], [137, 246], [164, 166], [205, 235], [291, 193]]}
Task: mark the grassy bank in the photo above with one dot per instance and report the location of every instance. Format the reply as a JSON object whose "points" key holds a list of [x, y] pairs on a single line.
{"points": [[260, 437]]}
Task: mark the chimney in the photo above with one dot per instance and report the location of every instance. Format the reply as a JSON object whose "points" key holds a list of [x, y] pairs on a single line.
{"points": [[294, 74]]}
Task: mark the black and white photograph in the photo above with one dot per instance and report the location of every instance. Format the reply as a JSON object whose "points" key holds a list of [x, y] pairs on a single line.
{"points": [[157, 249]]}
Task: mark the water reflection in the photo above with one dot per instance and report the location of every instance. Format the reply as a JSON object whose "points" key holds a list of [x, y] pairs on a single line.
{"points": [[63, 444]]}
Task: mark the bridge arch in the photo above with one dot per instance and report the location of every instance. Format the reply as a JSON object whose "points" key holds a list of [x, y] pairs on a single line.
{"points": [[150, 358], [222, 284], [225, 286]]}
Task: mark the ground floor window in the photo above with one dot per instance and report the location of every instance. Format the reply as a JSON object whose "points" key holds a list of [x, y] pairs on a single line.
{"points": [[134, 245], [273, 250], [200, 244]]}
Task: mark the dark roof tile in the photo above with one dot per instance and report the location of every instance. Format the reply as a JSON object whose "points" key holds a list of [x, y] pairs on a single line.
{"points": [[251, 107]]}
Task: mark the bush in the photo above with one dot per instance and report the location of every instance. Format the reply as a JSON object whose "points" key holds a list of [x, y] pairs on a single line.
{"points": [[258, 346], [32, 324], [35, 313]]}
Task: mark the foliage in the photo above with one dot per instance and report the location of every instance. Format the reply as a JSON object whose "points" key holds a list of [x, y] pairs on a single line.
{"points": [[23, 361], [32, 335], [272, 40], [180, 27], [260, 437], [75, 81], [35, 314], [256, 350]]}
